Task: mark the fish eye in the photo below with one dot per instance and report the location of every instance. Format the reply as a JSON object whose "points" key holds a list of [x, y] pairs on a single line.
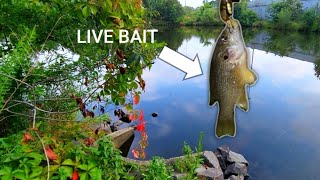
{"points": [[225, 57], [224, 39]]}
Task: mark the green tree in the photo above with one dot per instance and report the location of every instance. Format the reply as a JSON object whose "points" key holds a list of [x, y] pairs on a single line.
{"points": [[46, 62], [246, 16], [169, 10], [311, 19], [206, 14], [291, 8]]}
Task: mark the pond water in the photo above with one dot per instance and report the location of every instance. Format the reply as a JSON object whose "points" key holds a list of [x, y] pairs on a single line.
{"points": [[278, 136]]}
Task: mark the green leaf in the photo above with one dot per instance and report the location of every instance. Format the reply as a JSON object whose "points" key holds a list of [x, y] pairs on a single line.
{"points": [[5, 171], [84, 176], [95, 174], [85, 12], [68, 162], [19, 174], [93, 9], [36, 172], [65, 172], [53, 169], [91, 165], [83, 167]]}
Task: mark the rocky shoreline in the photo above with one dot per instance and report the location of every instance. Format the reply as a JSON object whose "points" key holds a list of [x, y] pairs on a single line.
{"points": [[220, 164]]}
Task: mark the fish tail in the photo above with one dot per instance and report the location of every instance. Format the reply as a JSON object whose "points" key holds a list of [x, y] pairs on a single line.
{"points": [[225, 125]]}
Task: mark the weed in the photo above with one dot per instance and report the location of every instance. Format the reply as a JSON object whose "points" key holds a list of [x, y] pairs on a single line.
{"points": [[191, 161], [157, 170]]}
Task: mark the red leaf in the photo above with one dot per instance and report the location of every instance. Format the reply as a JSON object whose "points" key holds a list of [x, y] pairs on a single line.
{"points": [[75, 175], [136, 99], [132, 117], [141, 118], [144, 136], [143, 154], [141, 127], [50, 153], [135, 153], [27, 136], [119, 52], [89, 141]]}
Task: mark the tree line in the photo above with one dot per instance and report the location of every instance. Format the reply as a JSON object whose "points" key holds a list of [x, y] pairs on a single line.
{"points": [[284, 14]]}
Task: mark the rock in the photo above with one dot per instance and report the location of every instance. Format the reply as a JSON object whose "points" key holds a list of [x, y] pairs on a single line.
{"points": [[222, 159], [177, 176], [233, 177], [224, 150], [154, 114], [222, 162], [209, 173], [236, 158], [211, 160], [226, 157], [236, 169]]}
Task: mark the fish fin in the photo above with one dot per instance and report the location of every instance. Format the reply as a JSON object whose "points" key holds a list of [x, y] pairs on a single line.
{"points": [[212, 101], [225, 125], [250, 77], [242, 101], [212, 98]]}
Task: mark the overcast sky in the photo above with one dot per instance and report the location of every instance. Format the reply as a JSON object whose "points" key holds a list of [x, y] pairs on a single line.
{"points": [[192, 3]]}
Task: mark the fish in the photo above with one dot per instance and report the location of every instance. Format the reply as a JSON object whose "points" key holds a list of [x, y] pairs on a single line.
{"points": [[229, 76]]}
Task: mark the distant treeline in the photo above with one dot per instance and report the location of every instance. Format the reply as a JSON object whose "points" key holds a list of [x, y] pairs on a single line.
{"points": [[284, 14]]}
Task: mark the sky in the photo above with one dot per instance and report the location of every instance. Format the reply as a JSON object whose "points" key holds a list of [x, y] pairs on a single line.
{"points": [[192, 3]]}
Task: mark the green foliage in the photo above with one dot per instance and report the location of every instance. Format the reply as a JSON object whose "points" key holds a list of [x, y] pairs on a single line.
{"points": [[246, 16], [168, 10], [96, 160], [157, 170], [317, 68], [289, 14], [283, 18], [51, 65], [204, 15], [311, 19], [191, 161], [294, 7]]}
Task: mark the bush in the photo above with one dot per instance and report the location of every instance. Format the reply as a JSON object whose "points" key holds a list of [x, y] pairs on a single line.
{"points": [[72, 149], [157, 170], [245, 16]]}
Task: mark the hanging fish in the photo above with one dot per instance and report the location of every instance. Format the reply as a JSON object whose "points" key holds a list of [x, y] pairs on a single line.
{"points": [[229, 75]]}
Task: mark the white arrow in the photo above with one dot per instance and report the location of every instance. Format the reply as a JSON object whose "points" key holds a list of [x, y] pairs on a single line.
{"points": [[180, 61]]}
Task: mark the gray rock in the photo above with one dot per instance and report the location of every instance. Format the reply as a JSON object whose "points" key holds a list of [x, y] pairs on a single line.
{"points": [[224, 150], [177, 176], [209, 173], [236, 158], [233, 177], [237, 169], [211, 160], [222, 159]]}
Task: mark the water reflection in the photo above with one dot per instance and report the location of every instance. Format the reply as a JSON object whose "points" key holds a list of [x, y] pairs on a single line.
{"points": [[278, 135], [317, 68]]}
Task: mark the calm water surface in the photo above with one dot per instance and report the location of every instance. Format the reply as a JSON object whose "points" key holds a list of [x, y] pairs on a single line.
{"points": [[279, 135]]}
